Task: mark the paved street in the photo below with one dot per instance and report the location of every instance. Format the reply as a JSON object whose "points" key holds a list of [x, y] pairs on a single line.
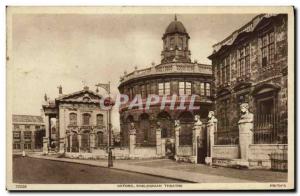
{"points": [[31, 170], [182, 171], [242, 174]]}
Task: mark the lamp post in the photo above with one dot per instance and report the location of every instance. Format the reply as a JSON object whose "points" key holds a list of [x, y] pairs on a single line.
{"points": [[106, 87]]}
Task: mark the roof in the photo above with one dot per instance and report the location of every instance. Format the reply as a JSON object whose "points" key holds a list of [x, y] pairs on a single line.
{"points": [[27, 119], [245, 35], [175, 27]]}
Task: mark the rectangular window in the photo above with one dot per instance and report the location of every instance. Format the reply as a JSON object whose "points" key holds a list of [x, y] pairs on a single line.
{"points": [[73, 119], [167, 88], [188, 88], [17, 135], [100, 121], [202, 89], [208, 89], [16, 146], [27, 146], [27, 135], [16, 127], [268, 49], [37, 127], [86, 119], [181, 88], [27, 127], [243, 65], [160, 88]]}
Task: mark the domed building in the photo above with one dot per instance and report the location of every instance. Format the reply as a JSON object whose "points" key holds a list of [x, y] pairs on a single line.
{"points": [[175, 75]]}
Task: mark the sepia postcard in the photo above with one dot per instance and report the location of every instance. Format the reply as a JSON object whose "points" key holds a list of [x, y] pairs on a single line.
{"points": [[150, 98]]}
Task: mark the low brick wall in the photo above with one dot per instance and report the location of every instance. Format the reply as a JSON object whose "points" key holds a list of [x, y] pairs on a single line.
{"points": [[226, 151], [259, 154]]}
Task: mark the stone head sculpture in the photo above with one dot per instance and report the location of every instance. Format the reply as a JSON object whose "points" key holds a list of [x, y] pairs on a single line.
{"points": [[177, 123], [211, 114], [132, 125], [244, 108]]}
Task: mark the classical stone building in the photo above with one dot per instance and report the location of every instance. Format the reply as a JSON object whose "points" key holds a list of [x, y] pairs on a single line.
{"points": [[28, 133], [250, 66], [80, 123], [175, 75]]}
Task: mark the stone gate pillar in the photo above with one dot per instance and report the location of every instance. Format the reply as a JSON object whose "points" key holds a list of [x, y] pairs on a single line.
{"points": [[132, 139], [177, 132], [211, 129], [158, 140], [197, 137], [61, 145], [245, 132]]}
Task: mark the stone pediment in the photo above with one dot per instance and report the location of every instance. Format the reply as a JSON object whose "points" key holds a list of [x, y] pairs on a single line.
{"points": [[84, 96]]}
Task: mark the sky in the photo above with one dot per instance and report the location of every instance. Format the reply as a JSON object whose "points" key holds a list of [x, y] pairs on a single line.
{"points": [[71, 50]]}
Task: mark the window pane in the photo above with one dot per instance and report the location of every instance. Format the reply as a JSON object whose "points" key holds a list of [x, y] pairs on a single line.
{"points": [[202, 89], [73, 119], [188, 88], [100, 120], [207, 89], [86, 119], [167, 88], [27, 135]]}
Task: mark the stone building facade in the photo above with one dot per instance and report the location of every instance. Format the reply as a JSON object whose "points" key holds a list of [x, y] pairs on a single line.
{"points": [[28, 133], [175, 75], [250, 66], [81, 125]]}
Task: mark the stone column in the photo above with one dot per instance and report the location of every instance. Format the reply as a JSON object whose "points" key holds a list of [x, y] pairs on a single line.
{"points": [[79, 142], [71, 138], [61, 145], [45, 145], [132, 139], [92, 141], [177, 132], [158, 141], [197, 136], [245, 133], [211, 129]]}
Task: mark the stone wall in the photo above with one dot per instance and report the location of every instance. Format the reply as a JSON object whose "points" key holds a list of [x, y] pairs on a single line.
{"points": [[226, 151], [118, 153], [259, 154]]}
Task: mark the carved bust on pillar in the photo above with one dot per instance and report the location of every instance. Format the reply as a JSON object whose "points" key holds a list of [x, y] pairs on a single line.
{"points": [[177, 124], [197, 121], [132, 130], [246, 117], [211, 117]]}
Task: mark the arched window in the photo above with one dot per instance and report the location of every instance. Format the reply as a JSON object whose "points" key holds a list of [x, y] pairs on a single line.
{"points": [[100, 121], [166, 124], [86, 119], [145, 126], [186, 134], [85, 141], [73, 119]]}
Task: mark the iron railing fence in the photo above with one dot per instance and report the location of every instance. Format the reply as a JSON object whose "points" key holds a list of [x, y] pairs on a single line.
{"points": [[270, 129], [230, 137]]}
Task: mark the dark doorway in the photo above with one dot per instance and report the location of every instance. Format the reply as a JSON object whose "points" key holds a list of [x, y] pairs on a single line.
{"points": [[202, 146]]}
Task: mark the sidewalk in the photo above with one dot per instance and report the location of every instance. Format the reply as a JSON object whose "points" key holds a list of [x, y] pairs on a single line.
{"points": [[182, 171]]}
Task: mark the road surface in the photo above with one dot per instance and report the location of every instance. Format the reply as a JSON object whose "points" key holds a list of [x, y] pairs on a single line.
{"points": [[28, 170]]}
